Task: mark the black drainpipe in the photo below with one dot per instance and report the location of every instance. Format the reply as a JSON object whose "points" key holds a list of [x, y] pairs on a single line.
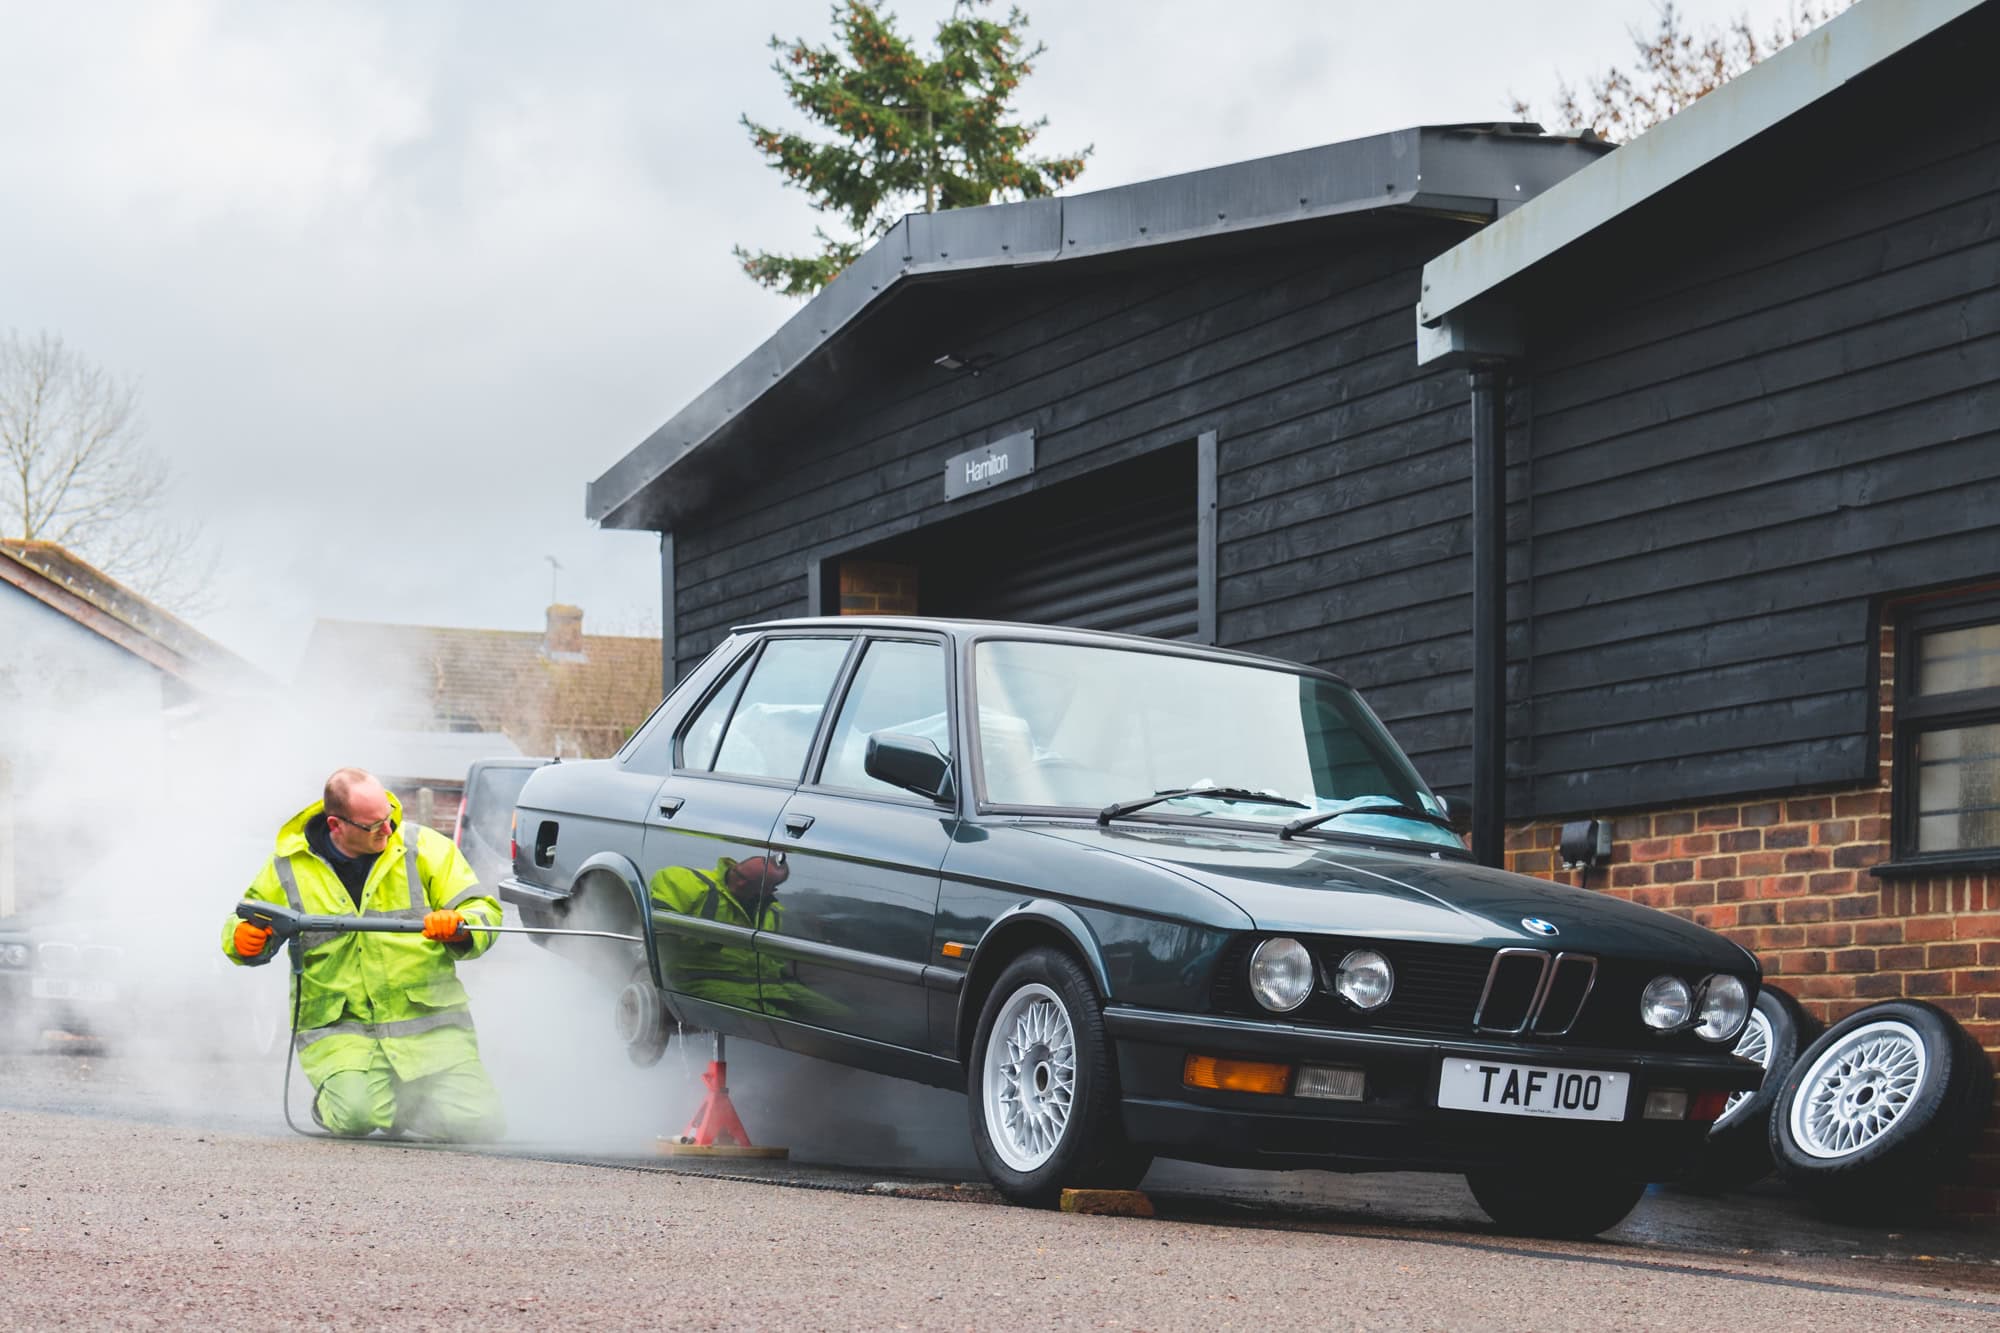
{"points": [[1489, 613]]}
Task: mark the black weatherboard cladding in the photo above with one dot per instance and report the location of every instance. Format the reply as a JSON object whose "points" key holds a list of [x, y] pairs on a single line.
{"points": [[1342, 492], [1763, 420]]}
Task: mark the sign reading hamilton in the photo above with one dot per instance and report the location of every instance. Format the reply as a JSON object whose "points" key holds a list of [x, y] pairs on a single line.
{"points": [[1007, 459]]}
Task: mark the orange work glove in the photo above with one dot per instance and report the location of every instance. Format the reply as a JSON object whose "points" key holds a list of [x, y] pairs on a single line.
{"points": [[445, 927], [250, 940]]}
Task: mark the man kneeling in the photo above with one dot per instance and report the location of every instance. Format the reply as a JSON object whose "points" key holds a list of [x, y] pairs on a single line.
{"points": [[384, 1029]]}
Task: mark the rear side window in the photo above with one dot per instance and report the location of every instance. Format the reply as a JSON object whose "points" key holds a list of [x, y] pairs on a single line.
{"points": [[771, 728], [705, 732]]}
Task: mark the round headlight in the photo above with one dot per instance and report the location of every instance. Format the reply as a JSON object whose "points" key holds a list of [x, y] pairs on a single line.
{"points": [[14, 955], [1724, 1007], [1365, 979], [1281, 974], [1666, 1003]]}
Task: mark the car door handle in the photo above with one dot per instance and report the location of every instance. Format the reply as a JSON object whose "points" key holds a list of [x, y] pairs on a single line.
{"points": [[796, 825], [671, 805]]}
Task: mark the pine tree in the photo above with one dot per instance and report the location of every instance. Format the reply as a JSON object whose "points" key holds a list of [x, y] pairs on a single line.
{"points": [[912, 131]]}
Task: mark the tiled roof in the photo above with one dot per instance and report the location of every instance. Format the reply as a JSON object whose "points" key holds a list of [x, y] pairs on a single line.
{"points": [[59, 579], [429, 678]]}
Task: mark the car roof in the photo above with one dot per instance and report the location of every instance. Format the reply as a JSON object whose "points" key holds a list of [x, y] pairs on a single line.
{"points": [[964, 629]]}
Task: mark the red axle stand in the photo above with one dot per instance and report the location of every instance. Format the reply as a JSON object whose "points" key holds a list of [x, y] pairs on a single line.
{"points": [[716, 1129], [717, 1118]]}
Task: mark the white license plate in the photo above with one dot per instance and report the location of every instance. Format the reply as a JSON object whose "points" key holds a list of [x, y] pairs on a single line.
{"points": [[87, 990], [1566, 1094]]}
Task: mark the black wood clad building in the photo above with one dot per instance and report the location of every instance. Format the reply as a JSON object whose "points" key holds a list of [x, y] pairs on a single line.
{"points": [[1206, 395], [1658, 484]]}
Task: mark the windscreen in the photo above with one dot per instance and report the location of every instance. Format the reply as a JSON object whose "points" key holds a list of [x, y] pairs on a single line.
{"points": [[1083, 727]]}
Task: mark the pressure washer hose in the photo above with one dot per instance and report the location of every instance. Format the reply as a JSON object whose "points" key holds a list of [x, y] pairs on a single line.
{"points": [[295, 946]]}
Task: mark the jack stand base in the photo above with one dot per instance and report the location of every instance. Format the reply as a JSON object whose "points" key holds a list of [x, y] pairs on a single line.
{"points": [[715, 1130], [676, 1148]]}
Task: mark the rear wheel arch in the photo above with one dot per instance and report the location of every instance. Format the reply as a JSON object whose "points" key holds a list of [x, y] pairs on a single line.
{"points": [[1013, 934], [607, 894]]}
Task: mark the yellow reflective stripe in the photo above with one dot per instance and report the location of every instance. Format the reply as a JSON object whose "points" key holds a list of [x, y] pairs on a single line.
{"points": [[404, 1027]]}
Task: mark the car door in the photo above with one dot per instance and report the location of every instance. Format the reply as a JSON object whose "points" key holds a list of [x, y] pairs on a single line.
{"points": [[845, 949], [708, 857]]}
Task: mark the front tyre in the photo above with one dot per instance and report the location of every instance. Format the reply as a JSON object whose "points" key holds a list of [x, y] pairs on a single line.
{"points": [[1041, 1088], [1534, 1205]]}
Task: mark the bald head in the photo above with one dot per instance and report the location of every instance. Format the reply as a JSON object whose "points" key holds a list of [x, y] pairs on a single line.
{"points": [[357, 812], [345, 785]]}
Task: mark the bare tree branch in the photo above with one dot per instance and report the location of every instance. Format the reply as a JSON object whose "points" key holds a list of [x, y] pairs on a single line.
{"points": [[79, 474], [1675, 68]]}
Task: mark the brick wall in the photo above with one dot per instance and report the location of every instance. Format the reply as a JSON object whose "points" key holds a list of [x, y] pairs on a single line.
{"points": [[1787, 877], [874, 588]]}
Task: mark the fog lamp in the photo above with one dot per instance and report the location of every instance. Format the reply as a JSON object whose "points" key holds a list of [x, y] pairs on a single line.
{"points": [[1724, 1007], [1666, 1004], [1666, 1104], [1330, 1084], [1281, 974], [1211, 1071]]}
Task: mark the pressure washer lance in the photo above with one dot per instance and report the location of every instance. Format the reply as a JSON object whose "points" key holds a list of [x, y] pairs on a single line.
{"points": [[290, 926]]}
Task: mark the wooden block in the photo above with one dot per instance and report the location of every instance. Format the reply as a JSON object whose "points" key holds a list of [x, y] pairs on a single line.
{"points": [[1107, 1203]]}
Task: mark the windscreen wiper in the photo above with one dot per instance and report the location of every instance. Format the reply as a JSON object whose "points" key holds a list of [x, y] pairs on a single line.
{"points": [[1364, 805], [1120, 809]]}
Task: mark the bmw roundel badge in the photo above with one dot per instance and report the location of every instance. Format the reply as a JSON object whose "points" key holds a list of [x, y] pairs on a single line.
{"points": [[1539, 926]]}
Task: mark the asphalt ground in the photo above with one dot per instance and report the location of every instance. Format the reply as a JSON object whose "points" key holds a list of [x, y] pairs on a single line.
{"points": [[580, 1199], [119, 1222]]}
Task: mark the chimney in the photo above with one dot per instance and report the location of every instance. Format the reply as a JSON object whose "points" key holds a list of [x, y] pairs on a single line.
{"points": [[563, 640]]}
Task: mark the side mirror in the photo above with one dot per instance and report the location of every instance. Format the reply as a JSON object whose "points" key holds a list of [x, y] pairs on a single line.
{"points": [[1459, 811], [909, 762]]}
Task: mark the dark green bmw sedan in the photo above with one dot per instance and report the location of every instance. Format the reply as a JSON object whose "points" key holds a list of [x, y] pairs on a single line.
{"points": [[1136, 899]]}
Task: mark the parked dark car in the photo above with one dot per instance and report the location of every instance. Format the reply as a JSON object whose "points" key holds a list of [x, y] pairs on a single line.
{"points": [[1136, 899], [486, 813]]}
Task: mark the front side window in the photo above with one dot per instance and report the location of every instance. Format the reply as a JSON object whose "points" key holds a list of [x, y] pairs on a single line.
{"points": [[1947, 747], [899, 687], [1082, 727], [771, 728]]}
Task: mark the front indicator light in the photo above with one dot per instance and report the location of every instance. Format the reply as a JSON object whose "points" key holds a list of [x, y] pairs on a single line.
{"points": [[1666, 1104], [1330, 1084], [1666, 1004], [1708, 1106], [1281, 974], [1210, 1071]]}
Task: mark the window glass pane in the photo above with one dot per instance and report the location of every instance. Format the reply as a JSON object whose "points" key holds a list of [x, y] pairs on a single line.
{"points": [[900, 687], [1958, 788], [1082, 727], [698, 745], [1959, 659], [779, 712]]}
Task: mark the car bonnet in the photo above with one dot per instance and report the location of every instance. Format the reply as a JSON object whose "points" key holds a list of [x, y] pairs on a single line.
{"points": [[1320, 887]]}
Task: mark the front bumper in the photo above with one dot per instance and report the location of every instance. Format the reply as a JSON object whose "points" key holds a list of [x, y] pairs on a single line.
{"points": [[1398, 1125]]}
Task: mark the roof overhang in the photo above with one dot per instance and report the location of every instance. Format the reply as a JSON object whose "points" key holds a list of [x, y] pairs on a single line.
{"points": [[1463, 317], [1473, 173]]}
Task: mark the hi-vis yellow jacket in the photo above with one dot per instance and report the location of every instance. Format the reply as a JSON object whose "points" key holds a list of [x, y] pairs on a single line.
{"points": [[360, 990]]}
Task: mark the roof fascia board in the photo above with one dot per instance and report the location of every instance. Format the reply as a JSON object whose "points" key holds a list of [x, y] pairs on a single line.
{"points": [[1748, 105], [91, 617], [1455, 171]]}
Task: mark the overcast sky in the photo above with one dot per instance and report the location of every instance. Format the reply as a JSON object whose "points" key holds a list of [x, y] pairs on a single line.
{"points": [[398, 279]]}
